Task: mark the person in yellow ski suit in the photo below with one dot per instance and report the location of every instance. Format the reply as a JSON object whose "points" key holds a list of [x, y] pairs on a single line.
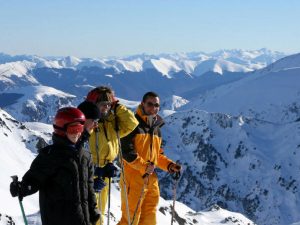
{"points": [[103, 142], [142, 152]]}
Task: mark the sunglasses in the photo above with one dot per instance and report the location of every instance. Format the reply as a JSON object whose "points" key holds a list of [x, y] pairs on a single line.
{"points": [[150, 104], [75, 129]]}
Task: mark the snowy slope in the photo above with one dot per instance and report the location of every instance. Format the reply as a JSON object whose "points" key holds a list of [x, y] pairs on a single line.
{"points": [[286, 63], [169, 105], [272, 97], [16, 74], [20, 148]]}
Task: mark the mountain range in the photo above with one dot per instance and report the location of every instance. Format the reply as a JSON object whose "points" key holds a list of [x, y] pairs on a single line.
{"points": [[232, 120]]}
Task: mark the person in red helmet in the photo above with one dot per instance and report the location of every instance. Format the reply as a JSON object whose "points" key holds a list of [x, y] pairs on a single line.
{"points": [[63, 175], [116, 121]]}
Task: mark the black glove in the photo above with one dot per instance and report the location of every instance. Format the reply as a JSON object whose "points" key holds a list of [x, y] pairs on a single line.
{"points": [[99, 184], [110, 170], [15, 188], [99, 171], [94, 216], [174, 168], [20, 189]]}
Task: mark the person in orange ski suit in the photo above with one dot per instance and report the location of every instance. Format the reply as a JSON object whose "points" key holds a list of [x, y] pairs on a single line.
{"points": [[142, 152]]}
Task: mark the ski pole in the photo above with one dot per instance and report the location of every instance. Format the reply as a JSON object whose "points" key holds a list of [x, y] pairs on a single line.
{"points": [[146, 180], [15, 180], [108, 210], [176, 177], [98, 160], [122, 170]]}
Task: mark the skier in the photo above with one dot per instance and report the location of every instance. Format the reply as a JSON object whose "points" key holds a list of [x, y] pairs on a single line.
{"points": [[142, 152], [63, 175], [115, 121], [92, 115]]}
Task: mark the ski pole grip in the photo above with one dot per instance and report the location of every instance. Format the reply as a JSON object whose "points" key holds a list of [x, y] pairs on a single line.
{"points": [[15, 178]]}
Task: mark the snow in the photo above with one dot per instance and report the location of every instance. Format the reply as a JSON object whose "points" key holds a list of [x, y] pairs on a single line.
{"points": [[167, 64], [17, 160], [269, 97], [290, 62], [247, 127], [36, 102]]}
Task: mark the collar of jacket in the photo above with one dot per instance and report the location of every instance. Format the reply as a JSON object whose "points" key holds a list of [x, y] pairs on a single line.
{"points": [[140, 112]]}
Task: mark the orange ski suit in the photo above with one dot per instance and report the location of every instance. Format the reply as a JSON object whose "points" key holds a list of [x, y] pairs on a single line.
{"points": [[140, 148]]}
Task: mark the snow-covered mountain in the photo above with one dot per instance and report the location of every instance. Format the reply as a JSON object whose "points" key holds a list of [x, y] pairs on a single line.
{"points": [[235, 131], [242, 164], [166, 64], [241, 152], [21, 142], [272, 96], [34, 103], [16, 74], [18, 148], [169, 105], [286, 63]]}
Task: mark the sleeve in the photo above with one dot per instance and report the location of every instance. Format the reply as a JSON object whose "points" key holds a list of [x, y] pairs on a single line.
{"points": [[130, 155], [38, 174], [125, 120], [94, 213], [163, 161]]}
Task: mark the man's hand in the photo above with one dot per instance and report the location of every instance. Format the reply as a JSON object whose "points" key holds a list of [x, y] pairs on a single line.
{"points": [[150, 168], [110, 170], [99, 184], [174, 168], [90, 124], [99, 171]]}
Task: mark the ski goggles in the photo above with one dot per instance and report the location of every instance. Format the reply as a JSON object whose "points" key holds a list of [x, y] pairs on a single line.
{"points": [[75, 129]]}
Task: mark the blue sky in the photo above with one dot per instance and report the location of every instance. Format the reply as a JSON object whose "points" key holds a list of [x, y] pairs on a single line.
{"points": [[97, 28]]}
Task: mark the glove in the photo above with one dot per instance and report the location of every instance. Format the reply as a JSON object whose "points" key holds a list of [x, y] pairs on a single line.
{"points": [[110, 170], [15, 189], [174, 168], [99, 184], [99, 171], [94, 216], [20, 189]]}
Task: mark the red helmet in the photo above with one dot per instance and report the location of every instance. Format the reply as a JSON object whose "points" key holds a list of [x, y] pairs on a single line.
{"points": [[66, 116], [101, 94]]}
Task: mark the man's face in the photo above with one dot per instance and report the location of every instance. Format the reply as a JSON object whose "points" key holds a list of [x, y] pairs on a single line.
{"points": [[104, 107], [151, 106]]}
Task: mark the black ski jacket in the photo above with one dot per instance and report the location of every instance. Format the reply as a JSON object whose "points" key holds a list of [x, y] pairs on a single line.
{"points": [[63, 176]]}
